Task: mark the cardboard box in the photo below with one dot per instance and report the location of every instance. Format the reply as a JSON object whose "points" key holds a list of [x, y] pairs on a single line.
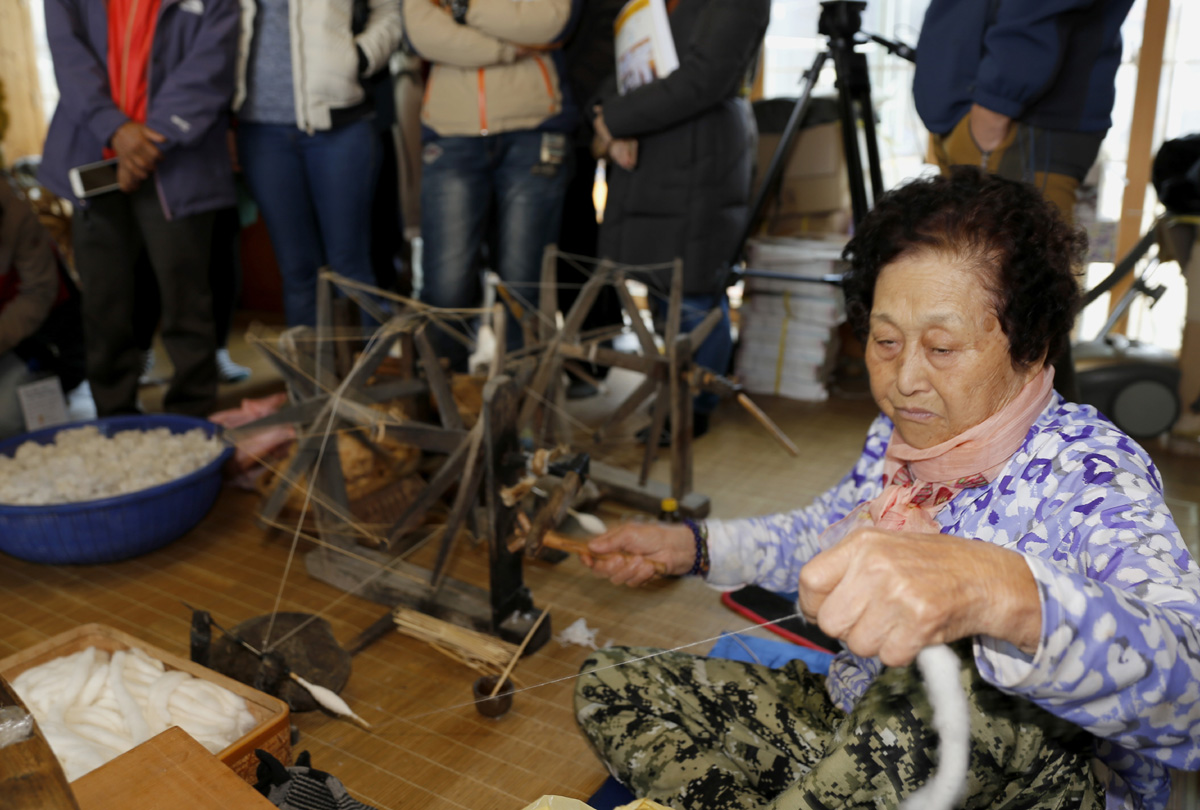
{"points": [[272, 734], [813, 178]]}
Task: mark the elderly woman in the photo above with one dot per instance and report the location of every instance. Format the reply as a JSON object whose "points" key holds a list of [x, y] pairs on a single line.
{"points": [[985, 512]]}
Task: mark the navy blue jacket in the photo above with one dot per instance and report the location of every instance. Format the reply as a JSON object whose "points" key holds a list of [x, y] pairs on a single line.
{"points": [[1047, 63], [191, 81]]}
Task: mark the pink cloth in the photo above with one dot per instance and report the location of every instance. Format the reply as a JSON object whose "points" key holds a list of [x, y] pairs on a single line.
{"points": [[918, 483], [249, 410], [249, 451]]}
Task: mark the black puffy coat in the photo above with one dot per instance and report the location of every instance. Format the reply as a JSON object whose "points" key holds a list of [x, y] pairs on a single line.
{"points": [[688, 195]]}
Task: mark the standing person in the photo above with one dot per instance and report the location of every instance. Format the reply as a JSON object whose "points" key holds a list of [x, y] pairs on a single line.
{"points": [[1023, 89], [305, 139], [147, 82], [680, 155], [496, 159]]}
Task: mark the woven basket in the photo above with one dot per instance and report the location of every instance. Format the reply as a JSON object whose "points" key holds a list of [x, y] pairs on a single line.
{"points": [[111, 529]]}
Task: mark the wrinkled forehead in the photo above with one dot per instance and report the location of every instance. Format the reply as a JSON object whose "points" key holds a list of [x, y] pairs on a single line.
{"points": [[935, 286], [967, 261]]}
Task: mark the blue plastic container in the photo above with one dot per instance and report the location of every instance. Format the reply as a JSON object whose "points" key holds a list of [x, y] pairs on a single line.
{"points": [[117, 528]]}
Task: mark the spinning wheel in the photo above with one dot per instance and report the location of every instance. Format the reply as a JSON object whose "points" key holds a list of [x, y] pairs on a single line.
{"points": [[331, 402]]}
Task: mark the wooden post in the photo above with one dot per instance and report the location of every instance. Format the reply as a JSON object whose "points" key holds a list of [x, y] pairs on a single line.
{"points": [[22, 101], [1141, 140]]}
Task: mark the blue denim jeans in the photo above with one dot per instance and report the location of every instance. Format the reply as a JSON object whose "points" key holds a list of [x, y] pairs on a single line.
{"points": [[315, 195], [497, 187]]}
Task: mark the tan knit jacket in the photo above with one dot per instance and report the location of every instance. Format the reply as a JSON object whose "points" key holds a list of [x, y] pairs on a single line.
{"points": [[494, 74]]}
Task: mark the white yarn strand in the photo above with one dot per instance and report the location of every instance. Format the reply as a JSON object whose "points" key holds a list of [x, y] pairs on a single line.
{"points": [[952, 721]]}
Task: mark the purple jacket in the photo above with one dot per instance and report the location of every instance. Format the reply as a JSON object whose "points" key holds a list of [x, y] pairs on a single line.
{"points": [[1120, 593], [190, 87]]}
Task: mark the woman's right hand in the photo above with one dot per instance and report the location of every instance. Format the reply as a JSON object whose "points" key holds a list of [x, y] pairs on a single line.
{"points": [[634, 553]]}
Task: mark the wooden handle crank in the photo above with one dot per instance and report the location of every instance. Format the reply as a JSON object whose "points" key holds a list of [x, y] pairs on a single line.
{"points": [[767, 422], [573, 546]]}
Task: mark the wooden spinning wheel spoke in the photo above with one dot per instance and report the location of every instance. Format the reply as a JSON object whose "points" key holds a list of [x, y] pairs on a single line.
{"points": [[468, 490], [446, 475], [650, 385], [438, 384], [365, 302], [644, 335], [658, 421]]}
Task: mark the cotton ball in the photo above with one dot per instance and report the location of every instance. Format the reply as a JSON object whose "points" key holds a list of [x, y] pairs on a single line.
{"points": [[83, 465], [578, 633]]}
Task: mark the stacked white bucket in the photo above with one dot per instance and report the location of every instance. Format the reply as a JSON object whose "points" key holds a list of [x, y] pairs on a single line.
{"points": [[789, 329]]}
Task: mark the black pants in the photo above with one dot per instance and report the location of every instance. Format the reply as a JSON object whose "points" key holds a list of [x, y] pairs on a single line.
{"points": [[109, 234], [224, 279], [580, 234]]}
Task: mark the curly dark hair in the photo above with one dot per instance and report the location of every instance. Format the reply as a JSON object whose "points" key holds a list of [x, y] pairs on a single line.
{"points": [[1026, 254]]}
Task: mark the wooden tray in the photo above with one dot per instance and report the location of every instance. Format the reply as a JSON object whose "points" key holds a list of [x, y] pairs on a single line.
{"points": [[272, 734], [167, 772]]}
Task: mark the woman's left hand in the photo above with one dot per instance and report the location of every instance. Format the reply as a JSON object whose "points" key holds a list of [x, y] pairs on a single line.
{"points": [[891, 594]]}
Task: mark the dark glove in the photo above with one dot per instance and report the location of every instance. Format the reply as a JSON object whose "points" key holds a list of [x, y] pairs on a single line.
{"points": [[458, 8], [300, 787]]}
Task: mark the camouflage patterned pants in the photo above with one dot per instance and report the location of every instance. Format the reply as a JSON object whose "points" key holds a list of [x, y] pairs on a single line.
{"points": [[702, 733]]}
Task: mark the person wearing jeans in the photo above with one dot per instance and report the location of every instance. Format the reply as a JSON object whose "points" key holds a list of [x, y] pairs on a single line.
{"points": [[305, 141], [496, 158], [473, 184], [315, 195]]}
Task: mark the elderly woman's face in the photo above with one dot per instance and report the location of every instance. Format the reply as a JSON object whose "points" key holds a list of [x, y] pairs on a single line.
{"points": [[938, 359]]}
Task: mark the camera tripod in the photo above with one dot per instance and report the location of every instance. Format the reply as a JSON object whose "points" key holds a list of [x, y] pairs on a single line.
{"points": [[840, 23]]}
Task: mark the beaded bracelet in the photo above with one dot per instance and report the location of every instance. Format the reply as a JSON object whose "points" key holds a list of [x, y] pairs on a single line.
{"points": [[700, 535]]}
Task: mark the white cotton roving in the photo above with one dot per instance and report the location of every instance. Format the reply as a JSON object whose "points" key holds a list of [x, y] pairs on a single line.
{"points": [[81, 464], [91, 706]]}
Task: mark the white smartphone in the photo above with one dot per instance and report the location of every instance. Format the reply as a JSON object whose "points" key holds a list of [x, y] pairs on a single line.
{"points": [[94, 178]]}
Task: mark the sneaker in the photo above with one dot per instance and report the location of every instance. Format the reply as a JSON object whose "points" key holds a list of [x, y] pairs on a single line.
{"points": [[147, 376], [229, 371]]}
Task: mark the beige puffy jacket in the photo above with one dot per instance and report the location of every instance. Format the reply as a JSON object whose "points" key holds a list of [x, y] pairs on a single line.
{"points": [[497, 73], [324, 59]]}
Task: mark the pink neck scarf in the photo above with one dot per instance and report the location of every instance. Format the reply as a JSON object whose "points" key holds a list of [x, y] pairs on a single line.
{"points": [[918, 483]]}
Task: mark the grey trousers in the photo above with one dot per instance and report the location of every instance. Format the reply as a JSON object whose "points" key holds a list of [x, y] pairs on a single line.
{"points": [[109, 234]]}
